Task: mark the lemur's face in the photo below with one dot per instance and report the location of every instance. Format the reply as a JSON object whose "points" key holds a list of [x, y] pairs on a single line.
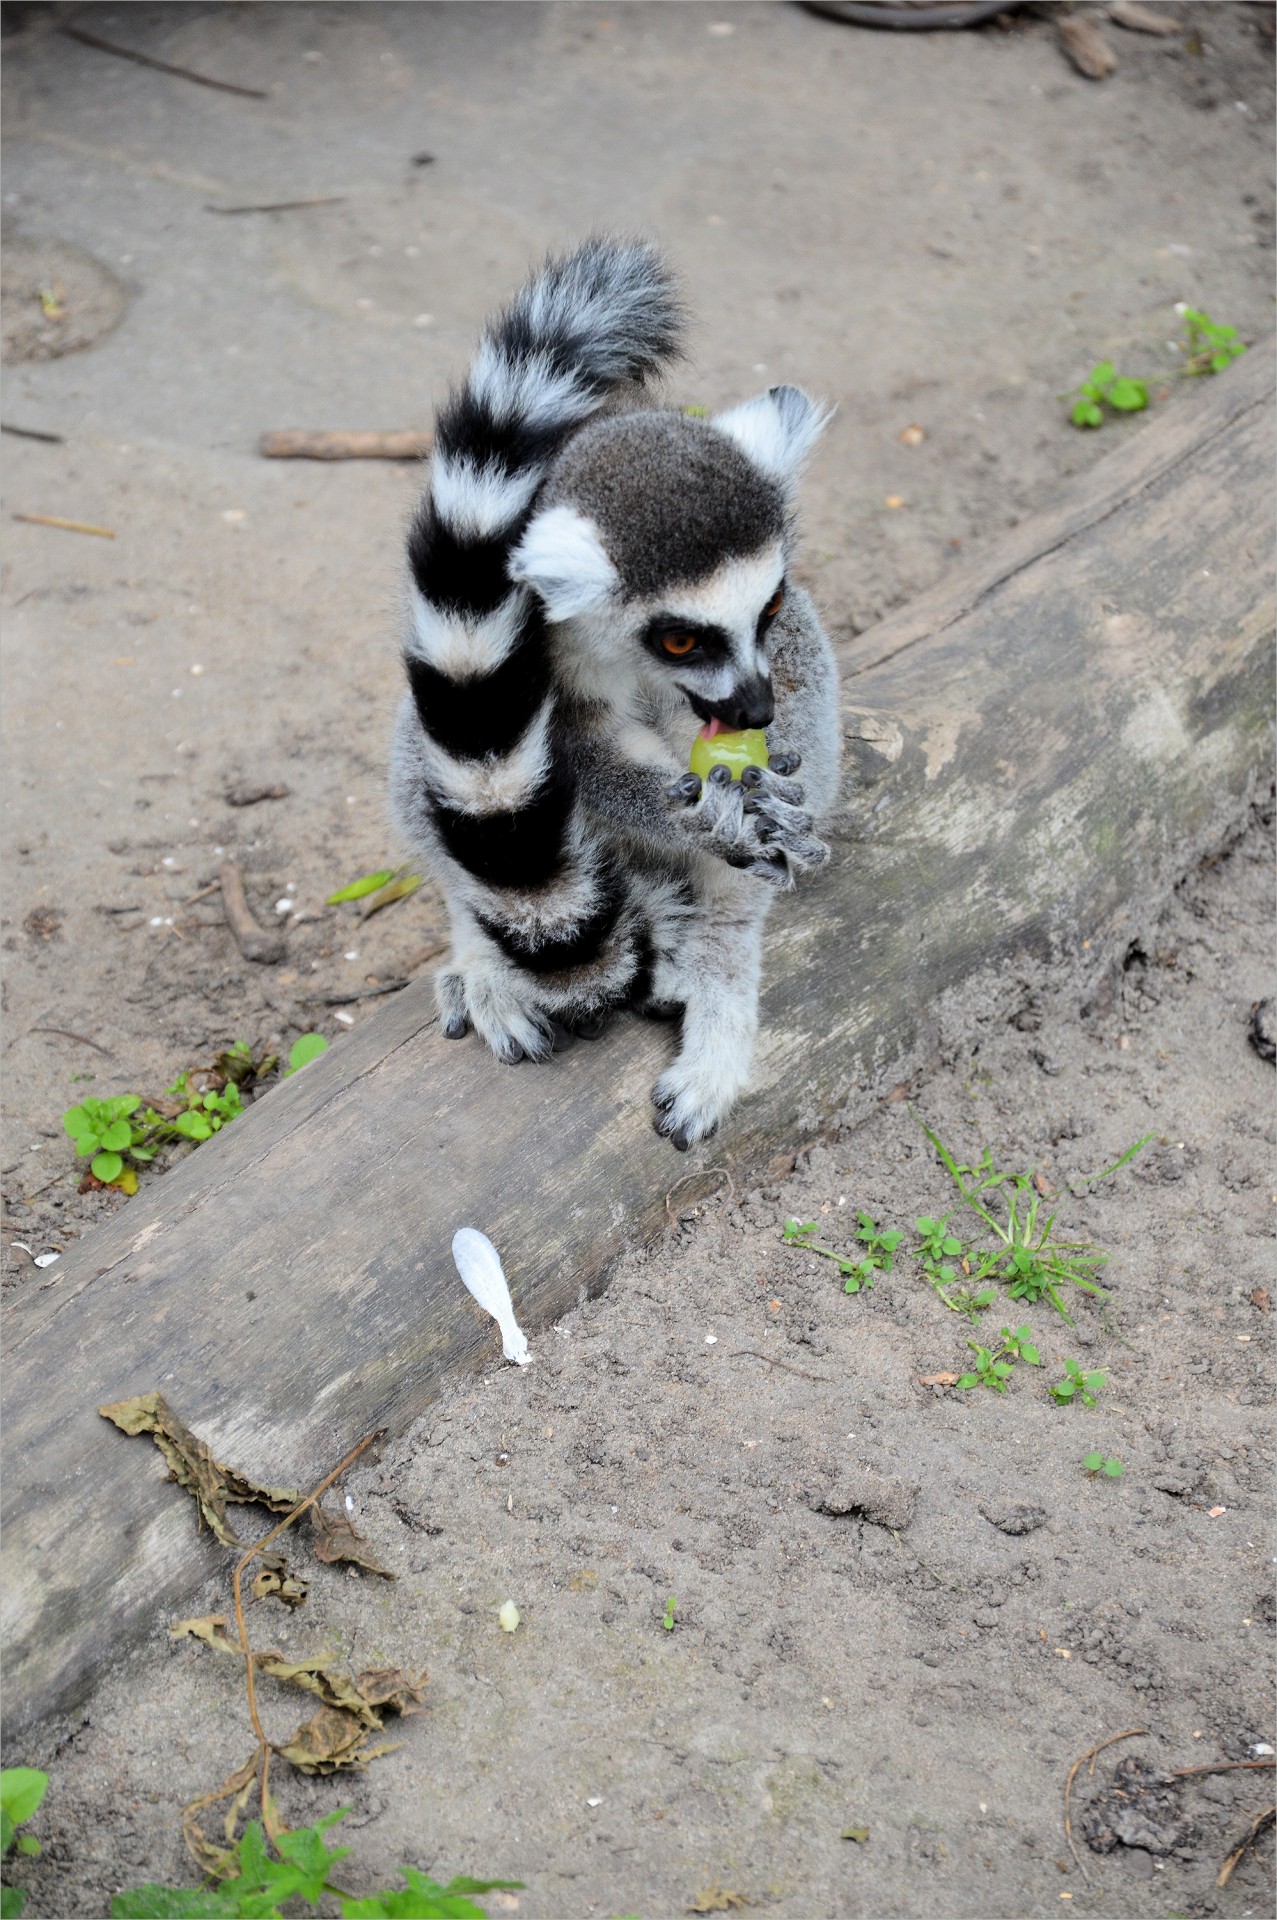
{"points": [[711, 639]]}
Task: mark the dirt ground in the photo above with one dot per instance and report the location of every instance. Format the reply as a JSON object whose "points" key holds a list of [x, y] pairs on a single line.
{"points": [[941, 230]]}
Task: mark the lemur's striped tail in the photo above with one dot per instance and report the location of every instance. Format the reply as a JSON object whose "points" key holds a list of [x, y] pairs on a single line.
{"points": [[485, 786]]}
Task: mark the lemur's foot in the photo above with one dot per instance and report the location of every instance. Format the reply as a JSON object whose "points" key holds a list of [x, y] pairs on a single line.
{"points": [[784, 828], [485, 1002], [688, 1106]]}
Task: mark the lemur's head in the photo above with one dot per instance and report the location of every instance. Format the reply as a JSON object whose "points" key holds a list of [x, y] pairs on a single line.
{"points": [[670, 535]]}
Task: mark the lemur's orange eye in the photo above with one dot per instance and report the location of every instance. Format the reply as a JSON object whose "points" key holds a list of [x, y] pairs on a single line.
{"points": [[678, 645], [775, 604]]}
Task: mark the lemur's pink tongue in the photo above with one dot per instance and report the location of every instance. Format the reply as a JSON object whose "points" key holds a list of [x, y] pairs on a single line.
{"points": [[714, 727]]}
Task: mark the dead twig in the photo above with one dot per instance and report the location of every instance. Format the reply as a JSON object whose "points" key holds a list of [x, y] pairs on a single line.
{"points": [[1248, 1839], [282, 206], [1132, 1733], [67, 526], [214, 886], [358, 993], [246, 794], [83, 1038], [297, 444], [31, 433], [267, 949], [750, 1353], [702, 1173], [162, 66], [1086, 46], [1221, 1766], [263, 1745]]}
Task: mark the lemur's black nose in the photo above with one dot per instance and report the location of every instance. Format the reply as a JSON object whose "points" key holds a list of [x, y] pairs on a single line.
{"points": [[753, 706]]}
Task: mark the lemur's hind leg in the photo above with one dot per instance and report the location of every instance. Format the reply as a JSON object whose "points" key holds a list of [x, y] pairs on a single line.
{"points": [[720, 964]]}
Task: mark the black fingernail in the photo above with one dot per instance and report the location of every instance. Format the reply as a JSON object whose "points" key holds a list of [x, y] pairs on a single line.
{"points": [[456, 1027], [680, 1141]]}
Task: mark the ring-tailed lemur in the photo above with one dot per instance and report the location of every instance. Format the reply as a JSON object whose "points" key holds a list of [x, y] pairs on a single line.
{"points": [[586, 587]]}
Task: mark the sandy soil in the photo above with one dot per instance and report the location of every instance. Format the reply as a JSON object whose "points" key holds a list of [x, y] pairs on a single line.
{"points": [[899, 1606], [944, 230]]}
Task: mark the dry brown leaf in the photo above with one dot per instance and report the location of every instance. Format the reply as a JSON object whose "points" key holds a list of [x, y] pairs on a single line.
{"points": [[390, 1690], [339, 1539], [275, 1582], [718, 1900], [192, 1464], [366, 1696], [937, 1379], [208, 1856], [329, 1742], [1259, 1298]]}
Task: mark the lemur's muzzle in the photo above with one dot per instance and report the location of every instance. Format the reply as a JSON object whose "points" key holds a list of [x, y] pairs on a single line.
{"points": [[753, 704]]}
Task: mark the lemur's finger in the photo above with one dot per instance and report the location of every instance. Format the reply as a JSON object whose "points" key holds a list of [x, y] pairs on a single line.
{"points": [[720, 776], [687, 789], [768, 785], [455, 1027], [784, 763]]}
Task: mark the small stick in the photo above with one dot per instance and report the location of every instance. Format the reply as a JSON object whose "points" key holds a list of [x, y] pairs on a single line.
{"points": [[1132, 1733], [214, 887], [1220, 1766], [282, 206], [360, 993], [749, 1353], [1256, 1827], [263, 1745], [68, 526], [83, 1038], [701, 1174], [253, 942], [32, 433], [297, 444], [162, 66]]}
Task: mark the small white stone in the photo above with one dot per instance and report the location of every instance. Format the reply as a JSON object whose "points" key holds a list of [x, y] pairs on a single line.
{"points": [[284, 906], [346, 1019]]}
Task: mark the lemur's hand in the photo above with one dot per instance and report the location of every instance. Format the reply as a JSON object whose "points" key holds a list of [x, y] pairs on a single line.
{"points": [[755, 823]]}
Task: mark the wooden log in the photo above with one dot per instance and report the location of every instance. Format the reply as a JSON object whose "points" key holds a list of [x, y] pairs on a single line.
{"points": [[1037, 748]]}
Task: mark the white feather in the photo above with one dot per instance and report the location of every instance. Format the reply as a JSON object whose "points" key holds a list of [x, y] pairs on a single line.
{"points": [[479, 1265]]}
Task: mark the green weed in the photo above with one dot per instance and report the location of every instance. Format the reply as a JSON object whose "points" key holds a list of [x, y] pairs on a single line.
{"points": [[879, 1246], [1077, 1385], [1209, 346], [856, 1273], [121, 1140], [1025, 1254], [21, 1791], [259, 1885], [668, 1620], [1097, 1463], [1105, 387], [994, 1365], [306, 1048]]}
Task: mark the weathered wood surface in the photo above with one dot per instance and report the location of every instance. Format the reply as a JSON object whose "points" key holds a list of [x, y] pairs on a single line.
{"points": [[1036, 748]]}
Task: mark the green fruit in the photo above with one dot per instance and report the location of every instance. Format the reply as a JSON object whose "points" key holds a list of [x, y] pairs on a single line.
{"points": [[736, 751]]}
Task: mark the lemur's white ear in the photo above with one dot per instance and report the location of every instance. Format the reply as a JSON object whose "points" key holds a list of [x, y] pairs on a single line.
{"points": [[563, 558], [777, 429]]}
